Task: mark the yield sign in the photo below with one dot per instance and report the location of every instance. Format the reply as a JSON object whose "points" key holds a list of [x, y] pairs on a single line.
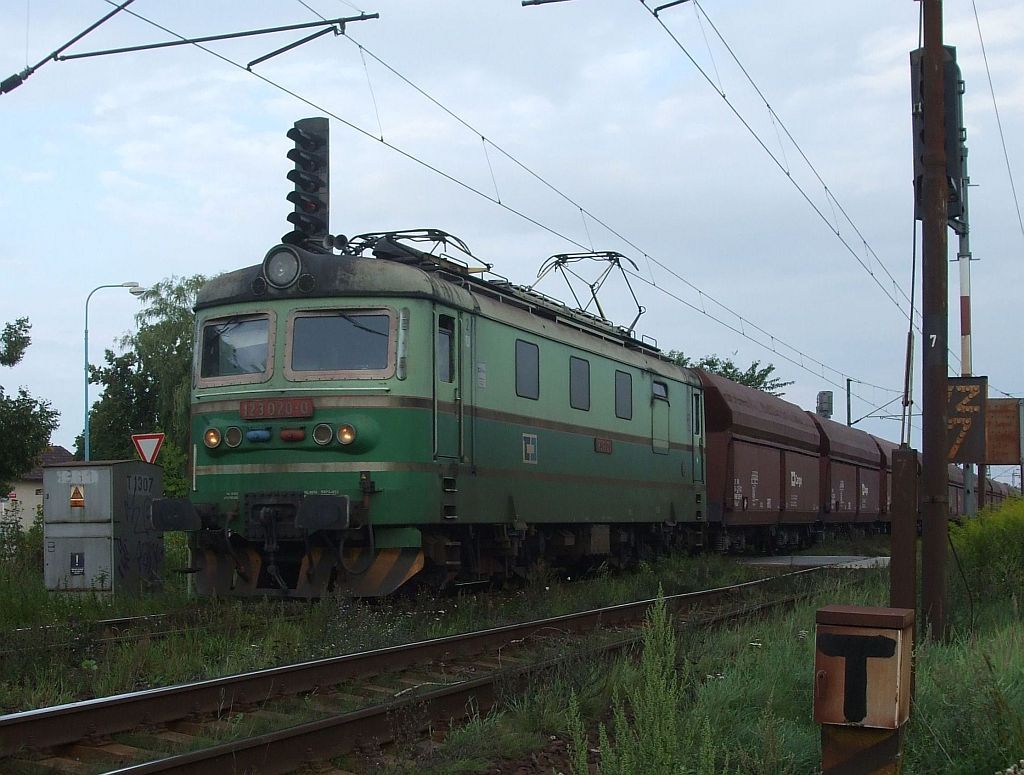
{"points": [[148, 445]]}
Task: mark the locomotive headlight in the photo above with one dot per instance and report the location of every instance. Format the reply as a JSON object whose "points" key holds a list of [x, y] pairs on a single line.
{"points": [[346, 434], [322, 434], [281, 267], [211, 438], [233, 436]]}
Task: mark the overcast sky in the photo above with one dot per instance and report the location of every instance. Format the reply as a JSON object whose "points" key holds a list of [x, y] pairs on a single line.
{"points": [[145, 165]]}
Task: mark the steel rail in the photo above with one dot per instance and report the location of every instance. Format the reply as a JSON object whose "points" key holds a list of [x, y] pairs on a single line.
{"points": [[57, 725], [285, 750], [94, 632]]}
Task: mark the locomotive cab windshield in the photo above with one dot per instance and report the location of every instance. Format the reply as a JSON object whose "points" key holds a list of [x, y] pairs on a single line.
{"points": [[235, 347], [340, 343]]}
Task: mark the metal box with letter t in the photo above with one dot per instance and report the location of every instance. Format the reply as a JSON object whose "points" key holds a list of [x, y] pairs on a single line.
{"points": [[862, 666], [97, 532]]}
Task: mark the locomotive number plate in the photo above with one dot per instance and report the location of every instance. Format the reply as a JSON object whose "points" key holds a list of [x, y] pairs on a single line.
{"points": [[271, 408]]}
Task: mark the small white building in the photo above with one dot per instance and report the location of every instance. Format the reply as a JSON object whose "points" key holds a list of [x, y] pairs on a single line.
{"points": [[26, 496]]}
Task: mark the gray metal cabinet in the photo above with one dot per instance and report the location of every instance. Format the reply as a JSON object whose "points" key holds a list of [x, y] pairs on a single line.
{"points": [[97, 533]]}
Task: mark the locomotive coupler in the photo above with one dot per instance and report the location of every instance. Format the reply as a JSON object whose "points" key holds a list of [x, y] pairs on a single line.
{"points": [[267, 517]]}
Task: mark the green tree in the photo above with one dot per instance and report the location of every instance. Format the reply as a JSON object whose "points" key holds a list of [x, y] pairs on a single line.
{"points": [[164, 345], [147, 387], [25, 422], [755, 375], [14, 340], [128, 405]]}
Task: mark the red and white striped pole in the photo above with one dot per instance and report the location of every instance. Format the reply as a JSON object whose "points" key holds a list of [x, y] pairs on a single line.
{"points": [[965, 309], [973, 487]]}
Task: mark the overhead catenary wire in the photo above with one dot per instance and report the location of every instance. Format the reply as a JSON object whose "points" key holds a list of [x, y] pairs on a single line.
{"points": [[587, 213], [28, 26], [828, 193], [355, 127], [707, 44], [743, 322], [782, 167], [343, 2], [373, 96], [776, 118], [999, 123], [876, 409], [14, 81], [820, 372]]}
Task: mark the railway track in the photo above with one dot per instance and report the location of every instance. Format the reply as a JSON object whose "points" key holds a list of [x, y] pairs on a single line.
{"points": [[273, 720], [105, 633]]}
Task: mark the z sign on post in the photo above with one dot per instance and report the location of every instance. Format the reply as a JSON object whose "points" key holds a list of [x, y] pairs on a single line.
{"points": [[148, 445], [965, 424]]}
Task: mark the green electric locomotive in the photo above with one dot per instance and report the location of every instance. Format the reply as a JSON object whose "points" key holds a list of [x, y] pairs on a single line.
{"points": [[364, 419]]}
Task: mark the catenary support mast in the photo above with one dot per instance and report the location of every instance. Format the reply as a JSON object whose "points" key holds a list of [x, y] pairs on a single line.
{"points": [[934, 360]]}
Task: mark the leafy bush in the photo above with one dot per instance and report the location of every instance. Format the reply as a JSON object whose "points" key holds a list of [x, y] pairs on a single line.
{"points": [[990, 549]]}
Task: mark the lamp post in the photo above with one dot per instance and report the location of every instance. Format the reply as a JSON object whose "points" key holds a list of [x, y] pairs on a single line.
{"points": [[135, 290]]}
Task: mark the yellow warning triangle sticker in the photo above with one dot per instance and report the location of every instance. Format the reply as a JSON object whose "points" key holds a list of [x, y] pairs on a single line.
{"points": [[77, 496]]}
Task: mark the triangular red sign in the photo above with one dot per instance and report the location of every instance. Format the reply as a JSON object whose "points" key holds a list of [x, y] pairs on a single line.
{"points": [[148, 445]]}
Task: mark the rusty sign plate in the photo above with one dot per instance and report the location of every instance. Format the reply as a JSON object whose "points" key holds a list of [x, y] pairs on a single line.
{"points": [[965, 419], [1002, 432]]}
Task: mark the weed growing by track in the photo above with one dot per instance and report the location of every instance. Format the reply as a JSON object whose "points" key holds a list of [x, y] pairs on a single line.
{"points": [[969, 714], [738, 700], [734, 700], [27, 603], [59, 655]]}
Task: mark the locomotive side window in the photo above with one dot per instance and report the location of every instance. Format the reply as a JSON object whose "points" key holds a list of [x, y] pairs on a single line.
{"points": [[579, 383], [659, 390], [445, 345], [527, 370], [234, 349], [623, 395], [338, 344]]}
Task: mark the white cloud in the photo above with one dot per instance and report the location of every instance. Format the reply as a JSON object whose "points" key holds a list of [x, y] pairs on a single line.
{"points": [[173, 162], [35, 177]]}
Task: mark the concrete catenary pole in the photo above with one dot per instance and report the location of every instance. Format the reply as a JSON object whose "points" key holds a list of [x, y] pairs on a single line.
{"points": [[934, 359]]}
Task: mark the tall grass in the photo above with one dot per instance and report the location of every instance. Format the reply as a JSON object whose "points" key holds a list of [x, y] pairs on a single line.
{"points": [[739, 700], [968, 714], [27, 603], [59, 658], [648, 738]]}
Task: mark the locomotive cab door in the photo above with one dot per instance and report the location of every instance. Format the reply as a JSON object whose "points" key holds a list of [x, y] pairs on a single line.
{"points": [[697, 435], [448, 381], [659, 417]]}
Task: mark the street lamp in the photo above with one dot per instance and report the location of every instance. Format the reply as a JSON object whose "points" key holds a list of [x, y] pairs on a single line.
{"points": [[135, 290]]}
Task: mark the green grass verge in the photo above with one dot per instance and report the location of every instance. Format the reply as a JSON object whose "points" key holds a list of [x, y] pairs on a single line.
{"points": [[739, 700], [60, 659]]}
